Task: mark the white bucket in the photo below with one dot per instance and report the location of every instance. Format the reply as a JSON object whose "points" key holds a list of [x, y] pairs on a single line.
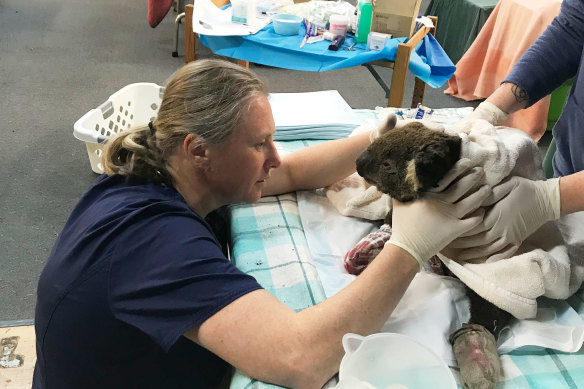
{"points": [[391, 361]]}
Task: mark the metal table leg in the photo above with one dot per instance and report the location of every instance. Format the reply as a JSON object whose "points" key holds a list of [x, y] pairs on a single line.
{"points": [[177, 21]]}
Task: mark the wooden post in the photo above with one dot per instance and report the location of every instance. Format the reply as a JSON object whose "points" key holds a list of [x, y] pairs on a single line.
{"points": [[189, 35], [244, 64], [398, 78], [190, 54]]}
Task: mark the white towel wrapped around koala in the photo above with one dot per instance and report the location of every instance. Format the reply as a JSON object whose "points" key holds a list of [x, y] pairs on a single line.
{"points": [[549, 263]]}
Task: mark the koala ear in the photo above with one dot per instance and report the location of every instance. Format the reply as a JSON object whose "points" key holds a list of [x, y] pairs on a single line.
{"points": [[387, 124], [435, 159]]}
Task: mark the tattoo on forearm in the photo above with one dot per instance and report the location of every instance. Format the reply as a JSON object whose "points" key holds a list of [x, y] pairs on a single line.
{"points": [[519, 93]]}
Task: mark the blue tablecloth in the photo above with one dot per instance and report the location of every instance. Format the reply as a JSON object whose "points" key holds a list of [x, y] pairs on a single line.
{"points": [[428, 62]]}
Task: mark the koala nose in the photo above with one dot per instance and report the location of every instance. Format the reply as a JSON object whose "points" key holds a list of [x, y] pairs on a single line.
{"points": [[361, 163]]}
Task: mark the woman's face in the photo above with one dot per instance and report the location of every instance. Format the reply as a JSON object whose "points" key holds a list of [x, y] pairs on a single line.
{"points": [[239, 166]]}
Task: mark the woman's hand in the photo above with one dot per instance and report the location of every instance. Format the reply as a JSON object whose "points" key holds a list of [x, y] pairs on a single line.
{"points": [[425, 226]]}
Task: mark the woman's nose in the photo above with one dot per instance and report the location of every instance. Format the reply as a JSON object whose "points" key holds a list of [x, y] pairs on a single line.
{"points": [[274, 159]]}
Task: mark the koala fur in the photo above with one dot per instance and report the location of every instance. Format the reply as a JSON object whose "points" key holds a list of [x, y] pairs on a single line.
{"points": [[404, 162]]}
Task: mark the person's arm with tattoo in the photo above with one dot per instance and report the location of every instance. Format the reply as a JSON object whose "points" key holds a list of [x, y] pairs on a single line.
{"points": [[520, 206], [542, 68], [509, 98]]}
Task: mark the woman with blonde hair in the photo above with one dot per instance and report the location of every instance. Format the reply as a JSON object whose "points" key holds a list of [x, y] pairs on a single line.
{"points": [[137, 291]]}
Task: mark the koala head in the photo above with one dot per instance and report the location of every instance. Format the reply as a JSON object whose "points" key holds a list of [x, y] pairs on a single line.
{"points": [[405, 161]]}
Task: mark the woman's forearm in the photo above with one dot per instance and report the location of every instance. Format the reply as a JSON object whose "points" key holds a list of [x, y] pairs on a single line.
{"points": [[270, 342], [362, 307], [509, 98], [572, 193], [317, 166]]}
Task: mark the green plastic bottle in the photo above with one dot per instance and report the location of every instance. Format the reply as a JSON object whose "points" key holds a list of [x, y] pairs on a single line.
{"points": [[364, 15]]}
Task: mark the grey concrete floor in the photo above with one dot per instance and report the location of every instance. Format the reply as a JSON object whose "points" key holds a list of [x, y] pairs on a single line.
{"points": [[58, 60]]}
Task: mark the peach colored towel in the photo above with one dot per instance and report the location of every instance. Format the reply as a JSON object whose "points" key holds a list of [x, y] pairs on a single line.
{"points": [[508, 32]]}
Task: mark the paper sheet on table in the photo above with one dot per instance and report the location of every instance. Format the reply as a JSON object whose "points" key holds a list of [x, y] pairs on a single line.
{"points": [[312, 115], [210, 20]]}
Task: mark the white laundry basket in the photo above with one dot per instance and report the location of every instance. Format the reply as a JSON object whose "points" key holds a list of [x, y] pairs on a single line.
{"points": [[133, 105]]}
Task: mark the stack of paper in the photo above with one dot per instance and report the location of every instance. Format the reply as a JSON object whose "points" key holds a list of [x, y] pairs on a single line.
{"points": [[312, 115], [210, 20]]}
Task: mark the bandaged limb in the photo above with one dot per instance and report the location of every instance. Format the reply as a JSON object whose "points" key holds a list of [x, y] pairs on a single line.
{"points": [[475, 345], [475, 350], [361, 255]]}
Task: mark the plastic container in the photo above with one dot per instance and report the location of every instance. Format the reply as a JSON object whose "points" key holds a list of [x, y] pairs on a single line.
{"points": [[364, 15], [132, 106], [286, 24], [338, 25], [243, 11], [377, 40], [387, 360]]}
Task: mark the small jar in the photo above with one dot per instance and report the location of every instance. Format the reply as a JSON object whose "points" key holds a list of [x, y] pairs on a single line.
{"points": [[338, 24]]}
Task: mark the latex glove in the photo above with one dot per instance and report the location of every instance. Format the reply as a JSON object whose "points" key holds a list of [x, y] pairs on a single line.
{"points": [[486, 111], [425, 226], [460, 168], [520, 207]]}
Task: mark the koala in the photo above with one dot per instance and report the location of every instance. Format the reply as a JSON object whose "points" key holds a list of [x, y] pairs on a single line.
{"points": [[404, 163]]}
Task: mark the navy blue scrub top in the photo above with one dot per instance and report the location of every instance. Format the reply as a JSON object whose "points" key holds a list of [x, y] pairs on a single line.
{"points": [[133, 269]]}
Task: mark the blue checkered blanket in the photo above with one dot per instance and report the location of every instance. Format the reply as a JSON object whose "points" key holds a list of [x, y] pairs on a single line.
{"points": [[268, 242]]}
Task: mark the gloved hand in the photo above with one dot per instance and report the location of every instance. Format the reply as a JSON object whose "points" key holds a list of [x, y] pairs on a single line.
{"points": [[460, 168], [486, 111], [425, 226], [520, 207]]}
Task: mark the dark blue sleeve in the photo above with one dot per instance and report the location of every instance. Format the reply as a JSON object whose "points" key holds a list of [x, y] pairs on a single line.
{"points": [[169, 275], [555, 55]]}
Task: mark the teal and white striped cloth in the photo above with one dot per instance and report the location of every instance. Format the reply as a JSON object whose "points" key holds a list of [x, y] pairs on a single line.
{"points": [[268, 242]]}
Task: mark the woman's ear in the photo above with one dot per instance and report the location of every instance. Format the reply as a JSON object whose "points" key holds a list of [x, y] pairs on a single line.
{"points": [[195, 150]]}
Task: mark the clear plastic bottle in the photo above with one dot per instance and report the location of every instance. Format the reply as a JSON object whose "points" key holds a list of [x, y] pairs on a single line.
{"points": [[364, 15]]}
